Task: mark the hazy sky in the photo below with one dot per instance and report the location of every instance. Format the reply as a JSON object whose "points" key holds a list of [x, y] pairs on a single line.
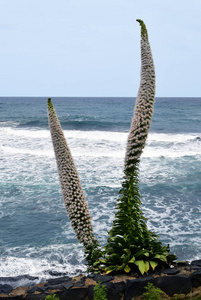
{"points": [[92, 47]]}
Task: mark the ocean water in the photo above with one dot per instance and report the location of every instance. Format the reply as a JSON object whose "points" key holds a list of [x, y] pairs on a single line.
{"points": [[36, 237]]}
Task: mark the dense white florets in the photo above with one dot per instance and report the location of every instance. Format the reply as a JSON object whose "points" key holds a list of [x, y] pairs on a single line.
{"points": [[72, 192], [144, 106]]}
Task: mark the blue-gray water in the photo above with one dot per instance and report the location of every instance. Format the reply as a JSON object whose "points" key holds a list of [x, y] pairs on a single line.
{"points": [[35, 234]]}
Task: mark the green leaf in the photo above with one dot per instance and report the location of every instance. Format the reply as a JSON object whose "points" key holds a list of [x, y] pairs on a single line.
{"points": [[146, 263], [114, 256], [153, 264], [127, 251], [163, 258], [127, 269], [132, 260], [157, 256], [141, 253], [120, 267], [126, 259], [110, 269], [171, 257], [141, 265]]}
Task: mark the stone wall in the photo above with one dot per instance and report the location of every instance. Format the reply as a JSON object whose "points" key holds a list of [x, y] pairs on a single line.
{"points": [[183, 279]]}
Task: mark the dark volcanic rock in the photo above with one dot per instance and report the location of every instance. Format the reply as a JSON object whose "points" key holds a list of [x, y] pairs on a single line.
{"points": [[55, 287], [196, 263], [171, 271], [195, 278], [90, 292], [101, 278], [120, 287], [22, 280], [136, 287], [32, 297], [81, 282], [55, 273], [195, 268], [59, 280], [67, 285], [5, 288], [59, 283], [183, 264], [20, 297], [179, 284], [115, 290], [72, 294], [37, 289], [18, 278]]}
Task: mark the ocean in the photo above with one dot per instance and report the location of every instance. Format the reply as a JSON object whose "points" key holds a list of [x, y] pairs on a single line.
{"points": [[36, 237]]}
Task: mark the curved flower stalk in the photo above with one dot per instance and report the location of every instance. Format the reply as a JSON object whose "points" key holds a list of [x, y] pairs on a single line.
{"points": [[73, 195], [144, 105], [131, 246]]}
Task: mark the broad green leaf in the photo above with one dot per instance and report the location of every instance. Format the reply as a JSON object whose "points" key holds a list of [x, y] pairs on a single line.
{"points": [[141, 266], [157, 256], [146, 263], [153, 264], [127, 269], [110, 269], [132, 260], [163, 258]]}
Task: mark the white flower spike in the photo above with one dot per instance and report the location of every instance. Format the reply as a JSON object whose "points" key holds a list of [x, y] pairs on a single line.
{"points": [[143, 111], [72, 192]]}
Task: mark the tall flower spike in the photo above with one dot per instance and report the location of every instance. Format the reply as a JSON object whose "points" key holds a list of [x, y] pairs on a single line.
{"points": [[131, 246], [72, 192], [144, 105]]}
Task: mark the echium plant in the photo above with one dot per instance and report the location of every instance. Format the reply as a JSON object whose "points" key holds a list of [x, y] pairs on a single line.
{"points": [[73, 195], [131, 246]]}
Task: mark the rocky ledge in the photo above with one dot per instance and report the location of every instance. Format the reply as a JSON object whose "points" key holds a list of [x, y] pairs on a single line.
{"points": [[182, 281]]}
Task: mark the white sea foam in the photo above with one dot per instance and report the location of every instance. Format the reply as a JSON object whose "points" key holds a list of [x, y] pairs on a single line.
{"points": [[173, 138], [97, 143], [40, 262], [11, 150], [25, 133]]}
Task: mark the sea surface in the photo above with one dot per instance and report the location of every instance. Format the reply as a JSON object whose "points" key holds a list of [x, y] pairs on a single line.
{"points": [[36, 237]]}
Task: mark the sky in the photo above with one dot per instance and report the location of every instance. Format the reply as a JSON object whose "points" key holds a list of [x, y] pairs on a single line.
{"points": [[91, 48]]}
